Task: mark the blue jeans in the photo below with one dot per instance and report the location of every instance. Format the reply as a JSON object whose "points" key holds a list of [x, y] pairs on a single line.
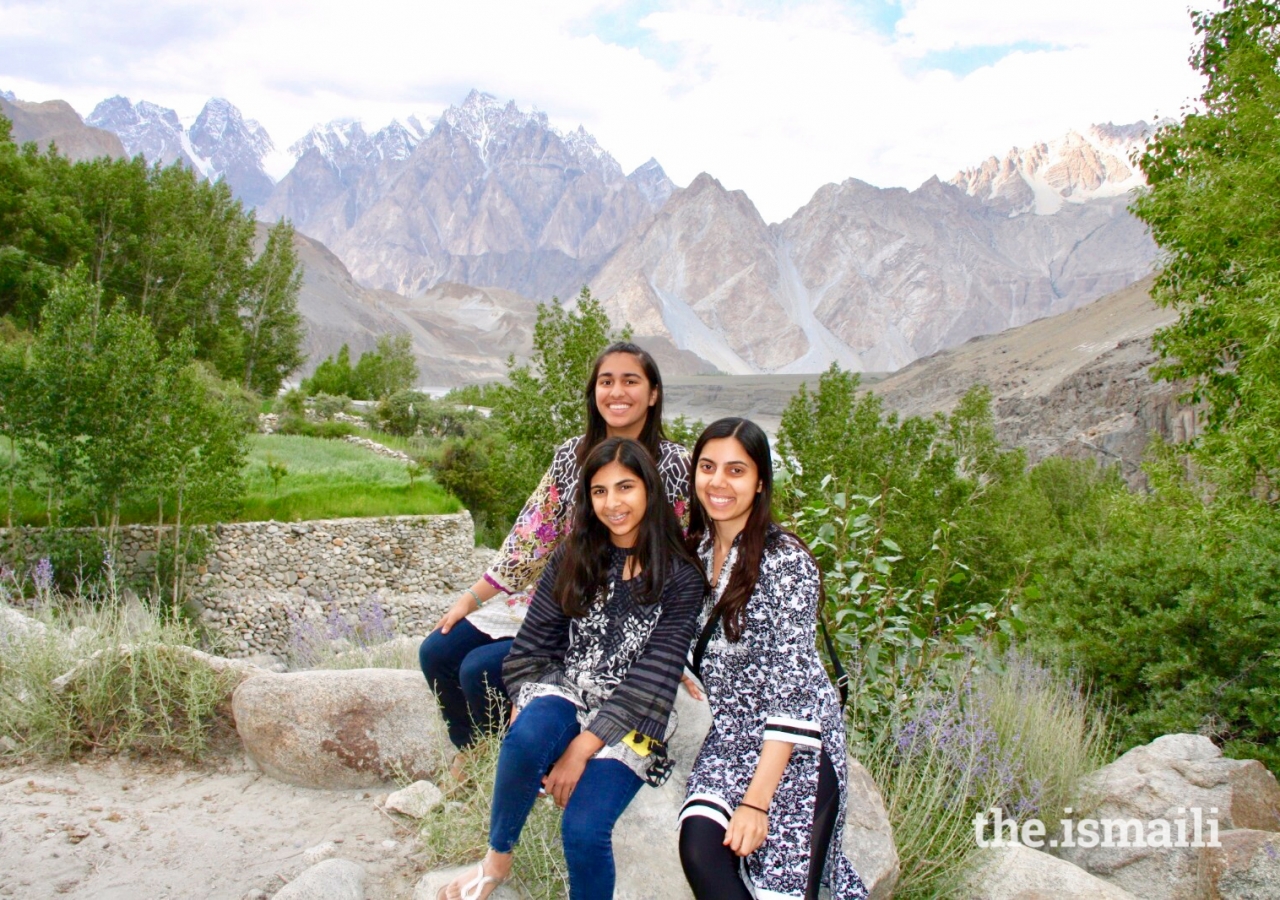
{"points": [[464, 669], [538, 736]]}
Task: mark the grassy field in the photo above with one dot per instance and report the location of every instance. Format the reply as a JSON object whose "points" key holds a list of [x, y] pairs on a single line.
{"points": [[322, 479], [332, 479]]}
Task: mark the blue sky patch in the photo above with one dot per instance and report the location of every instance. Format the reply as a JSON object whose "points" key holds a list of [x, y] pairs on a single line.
{"points": [[961, 61], [621, 26]]}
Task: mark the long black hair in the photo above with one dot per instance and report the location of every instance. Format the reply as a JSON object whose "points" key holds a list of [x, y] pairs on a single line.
{"points": [[652, 434], [759, 530], [584, 569]]}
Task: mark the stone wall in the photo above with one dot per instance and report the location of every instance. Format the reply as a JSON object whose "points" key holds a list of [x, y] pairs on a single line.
{"points": [[262, 579]]}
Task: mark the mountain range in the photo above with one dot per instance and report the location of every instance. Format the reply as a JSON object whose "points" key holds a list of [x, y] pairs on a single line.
{"points": [[495, 198]]}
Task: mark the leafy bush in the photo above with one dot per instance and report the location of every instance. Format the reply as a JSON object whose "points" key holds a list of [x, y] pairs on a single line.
{"points": [[1175, 614], [903, 633], [306, 428], [489, 474], [406, 413], [327, 406]]}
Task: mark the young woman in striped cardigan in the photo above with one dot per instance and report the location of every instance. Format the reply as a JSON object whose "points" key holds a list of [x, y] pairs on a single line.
{"points": [[593, 671]]}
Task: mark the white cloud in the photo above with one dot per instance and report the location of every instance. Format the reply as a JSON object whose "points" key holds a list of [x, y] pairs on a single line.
{"points": [[773, 100]]}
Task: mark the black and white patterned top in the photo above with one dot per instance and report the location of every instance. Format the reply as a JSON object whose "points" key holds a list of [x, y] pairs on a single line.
{"points": [[546, 517], [770, 685], [620, 664]]}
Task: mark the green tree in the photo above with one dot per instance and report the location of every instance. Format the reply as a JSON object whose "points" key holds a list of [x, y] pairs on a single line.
{"points": [[389, 368], [272, 325], [334, 376], [1221, 245], [162, 243]]}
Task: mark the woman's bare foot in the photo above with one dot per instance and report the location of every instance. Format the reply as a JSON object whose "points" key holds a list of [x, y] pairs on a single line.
{"points": [[458, 766], [479, 882]]}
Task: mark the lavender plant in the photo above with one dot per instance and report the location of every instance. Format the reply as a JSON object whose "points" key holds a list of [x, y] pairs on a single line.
{"points": [[340, 640], [1012, 736]]}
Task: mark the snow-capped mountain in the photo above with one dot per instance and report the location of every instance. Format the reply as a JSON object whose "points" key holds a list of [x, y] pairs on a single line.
{"points": [[1075, 168], [343, 144], [7, 95], [146, 128], [219, 144], [491, 195]]}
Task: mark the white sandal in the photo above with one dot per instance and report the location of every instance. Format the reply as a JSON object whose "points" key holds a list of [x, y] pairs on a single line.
{"points": [[471, 890]]}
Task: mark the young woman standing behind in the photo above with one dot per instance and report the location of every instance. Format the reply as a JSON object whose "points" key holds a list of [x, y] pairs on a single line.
{"points": [[765, 802], [462, 658]]}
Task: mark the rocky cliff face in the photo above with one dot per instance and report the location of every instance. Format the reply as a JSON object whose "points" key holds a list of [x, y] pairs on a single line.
{"points": [[867, 277], [54, 121], [460, 334], [1077, 385], [220, 144], [491, 195]]}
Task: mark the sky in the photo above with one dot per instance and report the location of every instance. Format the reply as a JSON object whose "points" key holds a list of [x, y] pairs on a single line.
{"points": [[773, 98]]}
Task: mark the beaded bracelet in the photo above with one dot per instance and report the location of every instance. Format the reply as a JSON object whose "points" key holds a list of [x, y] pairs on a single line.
{"points": [[475, 597], [753, 806]]}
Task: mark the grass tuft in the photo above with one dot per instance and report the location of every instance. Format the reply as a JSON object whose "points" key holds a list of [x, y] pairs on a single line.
{"points": [[457, 831], [1018, 738], [134, 684]]}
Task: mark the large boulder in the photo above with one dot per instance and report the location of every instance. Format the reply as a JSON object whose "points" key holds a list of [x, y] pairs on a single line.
{"points": [[1015, 872], [644, 839], [340, 729], [1246, 866], [1178, 778]]}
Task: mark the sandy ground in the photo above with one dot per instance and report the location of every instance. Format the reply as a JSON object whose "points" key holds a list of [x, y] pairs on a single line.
{"points": [[114, 828]]}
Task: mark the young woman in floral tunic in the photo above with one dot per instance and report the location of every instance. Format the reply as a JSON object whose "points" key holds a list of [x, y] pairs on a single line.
{"points": [[765, 802], [462, 658], [594, 671]]}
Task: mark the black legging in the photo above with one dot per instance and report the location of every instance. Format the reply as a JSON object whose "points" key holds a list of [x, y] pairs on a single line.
{"points": [[711, 868]]}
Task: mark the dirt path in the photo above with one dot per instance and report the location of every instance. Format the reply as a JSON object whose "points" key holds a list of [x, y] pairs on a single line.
{"points": [[113, 829]]}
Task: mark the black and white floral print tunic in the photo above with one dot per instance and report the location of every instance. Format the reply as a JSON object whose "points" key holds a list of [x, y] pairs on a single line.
{"points": [[770, 685]]}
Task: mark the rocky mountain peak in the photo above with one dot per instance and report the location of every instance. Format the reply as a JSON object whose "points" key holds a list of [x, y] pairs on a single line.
{"points": [[652, 182], [221, 143], [7, 95], [487, 123], [344, 144], [221, 131], [1075, 168], [145, 128]]}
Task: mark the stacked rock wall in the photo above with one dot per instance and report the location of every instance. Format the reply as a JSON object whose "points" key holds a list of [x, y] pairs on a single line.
{"points": [[262, 581]]}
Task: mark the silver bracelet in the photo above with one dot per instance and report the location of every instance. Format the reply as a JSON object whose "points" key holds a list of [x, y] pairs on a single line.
{"points": [[475, 597]]}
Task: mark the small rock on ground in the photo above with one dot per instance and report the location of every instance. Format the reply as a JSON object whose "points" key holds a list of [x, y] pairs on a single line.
{"points": [[333, 879], [416, 800]]}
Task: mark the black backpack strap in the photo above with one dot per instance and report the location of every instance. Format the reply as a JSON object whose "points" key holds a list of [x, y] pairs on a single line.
{"points": [[700, 648], [842, 677]]}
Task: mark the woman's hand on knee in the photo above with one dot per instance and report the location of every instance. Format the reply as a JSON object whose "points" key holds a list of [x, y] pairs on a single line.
{"points": [[747, 830], [464, 607], [563, 778]]}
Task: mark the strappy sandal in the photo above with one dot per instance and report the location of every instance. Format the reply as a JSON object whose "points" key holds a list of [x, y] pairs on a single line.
{"points": [[472, 890]]}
